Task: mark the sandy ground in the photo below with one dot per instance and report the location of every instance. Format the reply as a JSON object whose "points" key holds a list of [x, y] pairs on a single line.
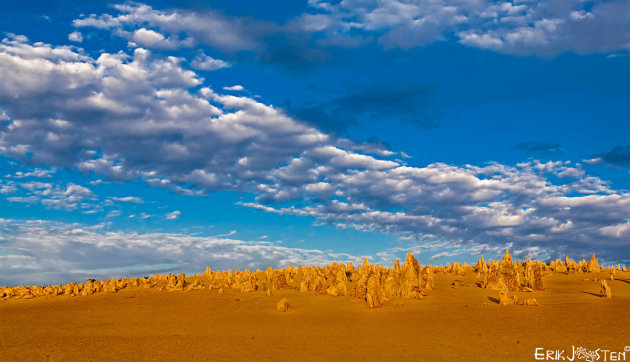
{"points": [[450, 324]]}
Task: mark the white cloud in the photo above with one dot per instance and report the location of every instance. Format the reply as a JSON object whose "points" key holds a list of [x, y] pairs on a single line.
{"points": [[617, 231], [104, 21], [571, 172], [39, 173], [206, 62], [231, 233], [153, 120], [57, 196], [147, 37], [75, 36], [580, 15], [485, 41], [44, 252], [140, 97], [113, 213], [470, 205], [236, 88], [172, 215], [522, 28], [132, 199], [24, 199], [38, 53], [7, 188], [594, 161], [207, 27], [531, 27]]}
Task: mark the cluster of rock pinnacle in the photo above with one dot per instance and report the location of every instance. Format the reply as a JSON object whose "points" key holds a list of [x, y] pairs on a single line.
{"points": [[370, 282]]}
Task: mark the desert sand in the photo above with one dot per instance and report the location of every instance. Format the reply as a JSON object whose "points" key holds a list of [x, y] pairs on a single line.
{"points": [[492, 311]]}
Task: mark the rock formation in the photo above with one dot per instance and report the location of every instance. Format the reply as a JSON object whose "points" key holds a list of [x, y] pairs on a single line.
{"points": [[511, 276], [372, 283], [374, 293], [532, 302], [176, 283], [505, 299], [559, 266], [427, 278], [605, 290], [507, 259], [410, 278], [196, 285], [533, 275], [283, 305]]}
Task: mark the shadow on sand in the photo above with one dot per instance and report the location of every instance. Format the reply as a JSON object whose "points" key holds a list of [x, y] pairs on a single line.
{"points": [[593, 294]]}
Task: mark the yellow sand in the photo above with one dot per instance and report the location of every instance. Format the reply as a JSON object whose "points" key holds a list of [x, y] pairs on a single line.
{"points": [[450, 324]]}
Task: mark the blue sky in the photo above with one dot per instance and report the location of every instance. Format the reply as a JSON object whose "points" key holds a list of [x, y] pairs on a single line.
{"points": [[138, 138]]}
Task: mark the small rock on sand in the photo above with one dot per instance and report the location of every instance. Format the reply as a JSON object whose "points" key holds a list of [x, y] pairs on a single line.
{"points": [[283, 305], [505, 299], [532, 302]]}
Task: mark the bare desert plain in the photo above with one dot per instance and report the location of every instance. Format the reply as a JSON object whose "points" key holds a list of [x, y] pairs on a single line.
{"points": [[491, 311]]}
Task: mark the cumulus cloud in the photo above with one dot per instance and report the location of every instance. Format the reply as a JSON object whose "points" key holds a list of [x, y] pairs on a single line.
{"points": [[135, 104], [152, 39], [148, 37], [523, 28], [43, 252], [532, 27], [7, 188], [183, 28], [466, 205], [54, 195], [38, 173], [141, 116], [206, 62], [233, 36], [75, 36]]}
